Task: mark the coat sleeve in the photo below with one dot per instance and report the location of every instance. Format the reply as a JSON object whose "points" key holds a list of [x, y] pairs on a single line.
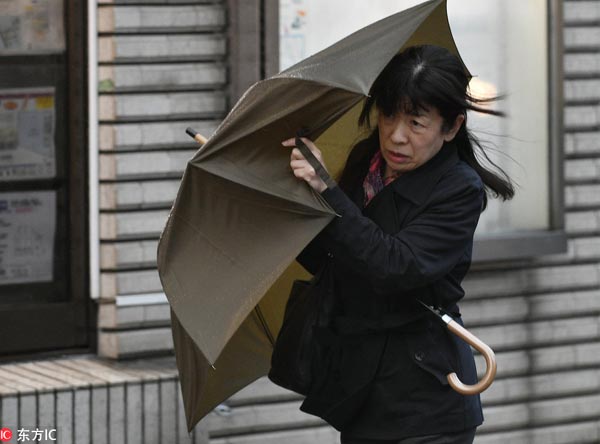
{"points": [[422, 252]]}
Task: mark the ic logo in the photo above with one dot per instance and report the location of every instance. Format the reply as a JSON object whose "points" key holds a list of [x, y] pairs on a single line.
{"points": [[5, 434]]}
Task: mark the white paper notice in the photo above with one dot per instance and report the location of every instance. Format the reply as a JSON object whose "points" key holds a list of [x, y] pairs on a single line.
{"points": [[27, 120], [27, 223], [293, 16], [31, 26]]}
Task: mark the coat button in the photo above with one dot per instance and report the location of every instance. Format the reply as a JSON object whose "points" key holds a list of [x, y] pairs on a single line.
{"points": [[419, 356]]}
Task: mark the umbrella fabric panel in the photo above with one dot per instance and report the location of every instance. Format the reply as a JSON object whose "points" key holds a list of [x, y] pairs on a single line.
{"points": [[301, 103], [214, 274], [228, 188], [262, 163], [245, 358]]}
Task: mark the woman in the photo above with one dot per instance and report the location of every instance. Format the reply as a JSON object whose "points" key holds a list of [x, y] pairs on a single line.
{"points": [[409, 198]]}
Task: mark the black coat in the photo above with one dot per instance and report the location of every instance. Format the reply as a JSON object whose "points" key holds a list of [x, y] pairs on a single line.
{"points": [[385, 377]]}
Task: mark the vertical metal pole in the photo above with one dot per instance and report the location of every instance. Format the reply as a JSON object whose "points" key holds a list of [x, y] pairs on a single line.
{"points": [[94, 214], [556, 105]]}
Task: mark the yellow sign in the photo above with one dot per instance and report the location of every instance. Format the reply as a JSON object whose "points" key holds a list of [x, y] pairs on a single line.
{"points": [[45, 102]]}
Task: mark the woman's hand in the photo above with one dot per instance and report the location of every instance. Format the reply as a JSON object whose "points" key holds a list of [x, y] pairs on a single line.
{"points": [[300, 166]]}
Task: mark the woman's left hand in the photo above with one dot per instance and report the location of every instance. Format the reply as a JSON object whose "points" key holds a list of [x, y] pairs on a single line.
{"points": [[302, 168]]}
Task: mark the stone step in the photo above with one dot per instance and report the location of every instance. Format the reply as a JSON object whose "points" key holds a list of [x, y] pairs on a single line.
{"points": [[87, 399], [160, 18], [161, 48], [161, 106], [174, 76], [121, 166]]}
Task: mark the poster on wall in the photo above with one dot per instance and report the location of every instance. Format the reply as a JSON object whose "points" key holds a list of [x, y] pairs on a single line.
{"points": [[31, 27], [27, 224], [293, 16], [27, 123]]}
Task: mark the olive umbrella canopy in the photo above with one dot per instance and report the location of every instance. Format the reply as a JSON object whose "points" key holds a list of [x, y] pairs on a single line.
{"points": [[226, 255]]}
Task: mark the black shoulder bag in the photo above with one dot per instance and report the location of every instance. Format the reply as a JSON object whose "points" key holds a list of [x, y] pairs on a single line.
{"points": [[308, 314]]}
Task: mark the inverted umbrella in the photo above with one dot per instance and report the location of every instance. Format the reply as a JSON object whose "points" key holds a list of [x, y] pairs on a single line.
{"points": [[225, 257]]}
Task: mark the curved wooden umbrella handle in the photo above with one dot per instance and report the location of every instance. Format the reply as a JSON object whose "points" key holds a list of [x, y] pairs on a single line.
{"points": [[485, 350]]}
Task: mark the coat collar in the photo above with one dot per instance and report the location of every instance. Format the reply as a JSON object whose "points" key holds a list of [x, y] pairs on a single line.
{"points": [[417, 185]]}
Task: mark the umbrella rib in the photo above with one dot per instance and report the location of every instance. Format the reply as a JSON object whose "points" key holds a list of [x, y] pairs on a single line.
{"points": [[263, 321], [303, 207]]}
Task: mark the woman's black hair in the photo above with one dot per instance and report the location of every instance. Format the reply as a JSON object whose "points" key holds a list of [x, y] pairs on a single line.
{"points": [[425, 76]]}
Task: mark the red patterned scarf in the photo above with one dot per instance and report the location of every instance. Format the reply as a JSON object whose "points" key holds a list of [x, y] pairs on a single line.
{"points": [[374, 181]]}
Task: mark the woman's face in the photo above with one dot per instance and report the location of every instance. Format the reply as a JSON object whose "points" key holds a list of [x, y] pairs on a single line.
{"points": [[407, 141]]}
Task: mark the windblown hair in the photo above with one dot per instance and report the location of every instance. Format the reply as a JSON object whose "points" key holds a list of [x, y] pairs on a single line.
{"points": [[431, 76]]}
